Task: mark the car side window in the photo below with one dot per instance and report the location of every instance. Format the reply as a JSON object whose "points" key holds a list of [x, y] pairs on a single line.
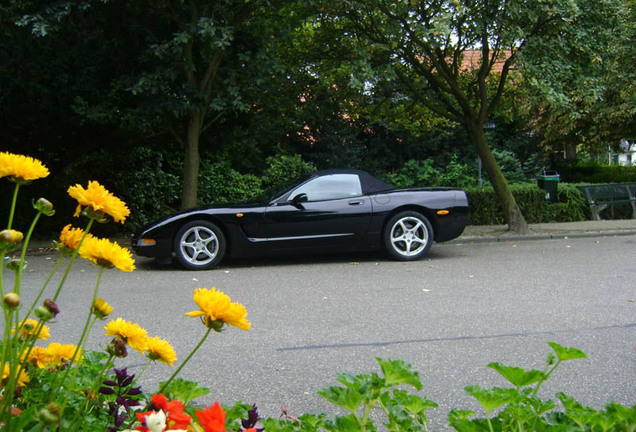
{"points": [[335, 186]]}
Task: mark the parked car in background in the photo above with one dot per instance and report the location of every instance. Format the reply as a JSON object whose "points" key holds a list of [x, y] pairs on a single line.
{"points": [[326, 211]]}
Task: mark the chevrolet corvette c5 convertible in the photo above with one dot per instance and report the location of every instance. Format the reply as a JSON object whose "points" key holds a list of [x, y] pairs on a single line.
{"points": [[326, 211]]}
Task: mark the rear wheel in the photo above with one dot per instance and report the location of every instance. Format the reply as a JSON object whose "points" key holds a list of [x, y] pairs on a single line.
{"points": [[199, 245], [408, 236]]}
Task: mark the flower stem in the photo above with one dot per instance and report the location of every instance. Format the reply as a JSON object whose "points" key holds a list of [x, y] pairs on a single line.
{"points": [[176, 372], [13, 203], [70, 264], [18, 273], [46, 283], [87, 326]]}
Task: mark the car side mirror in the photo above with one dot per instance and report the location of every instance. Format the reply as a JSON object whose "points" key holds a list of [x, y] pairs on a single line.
{"points": [[299, 199]]}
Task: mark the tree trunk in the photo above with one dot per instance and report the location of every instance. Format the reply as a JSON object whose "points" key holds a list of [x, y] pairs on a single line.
{"points": [[512, 214], [191, 164]]}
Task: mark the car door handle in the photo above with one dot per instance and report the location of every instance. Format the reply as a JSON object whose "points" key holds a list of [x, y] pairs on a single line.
{"points": [[355, 202]]}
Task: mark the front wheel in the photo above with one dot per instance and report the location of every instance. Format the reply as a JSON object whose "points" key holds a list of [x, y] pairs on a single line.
{"points": [[408, 236], [199, 245]]}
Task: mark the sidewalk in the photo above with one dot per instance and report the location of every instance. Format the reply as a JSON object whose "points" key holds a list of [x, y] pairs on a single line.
{"points": [[557, 230]]}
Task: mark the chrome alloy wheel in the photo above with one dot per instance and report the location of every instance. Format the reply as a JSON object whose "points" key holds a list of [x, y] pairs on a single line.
{"points": [[199, 246], [409, 236]]}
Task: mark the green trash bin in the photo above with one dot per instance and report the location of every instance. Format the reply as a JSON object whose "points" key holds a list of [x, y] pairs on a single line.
{"points": [[549, 182]]}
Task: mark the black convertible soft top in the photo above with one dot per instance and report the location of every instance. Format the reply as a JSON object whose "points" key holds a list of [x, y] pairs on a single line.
{"points": [[369, 183]]}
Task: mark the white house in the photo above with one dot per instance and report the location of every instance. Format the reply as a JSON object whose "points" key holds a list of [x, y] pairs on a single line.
{"points": [[627, 154]]}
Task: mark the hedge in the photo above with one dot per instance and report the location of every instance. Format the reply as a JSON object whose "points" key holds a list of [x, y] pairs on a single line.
{"points": [[571, 205]]}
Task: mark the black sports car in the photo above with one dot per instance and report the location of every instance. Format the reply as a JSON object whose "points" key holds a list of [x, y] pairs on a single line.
{"points": [[325, 211]]}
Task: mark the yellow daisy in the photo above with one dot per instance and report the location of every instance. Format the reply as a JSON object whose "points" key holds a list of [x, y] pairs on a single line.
{"points": [[21, 168], [58, 354], [160, 350], [23, 378], [38, 356], [28, 327], [107, 254], [216, 309], [131, 333], [101, 308], [70, 237], [99, 201]]}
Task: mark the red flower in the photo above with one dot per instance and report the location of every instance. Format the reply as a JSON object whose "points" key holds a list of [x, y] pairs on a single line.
{"points": [[212, 418], [176, 417]]}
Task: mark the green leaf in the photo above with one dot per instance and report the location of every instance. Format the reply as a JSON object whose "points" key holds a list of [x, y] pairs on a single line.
{"points": [[568, 401], [397, 372], [347, 398], [517, 376], [491, 399], [622, 413], [343, 424], [184, 390], [565, 354]]}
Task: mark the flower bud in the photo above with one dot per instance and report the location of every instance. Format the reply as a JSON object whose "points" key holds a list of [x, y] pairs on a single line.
{"points": [[14, 264], [101, 308], [52, 307], [50, 414], [12, 300], [117, 348], [9, 237], [28, 326], [44, 206], [43, 314]]}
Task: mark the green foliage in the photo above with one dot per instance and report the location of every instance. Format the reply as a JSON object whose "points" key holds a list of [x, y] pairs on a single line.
{"points": [[184, 390], [219, 183], [284, 168], [571, 205], [155, 169], [521, 410], [369, 398], [360, 395], [594, 172], [424, 173]]}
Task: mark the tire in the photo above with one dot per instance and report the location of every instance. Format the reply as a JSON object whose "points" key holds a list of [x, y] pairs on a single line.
{"points": [[199, 245], [408, 236]]}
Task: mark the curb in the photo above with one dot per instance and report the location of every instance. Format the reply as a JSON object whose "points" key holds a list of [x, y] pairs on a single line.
{"points": [[546, 236]]}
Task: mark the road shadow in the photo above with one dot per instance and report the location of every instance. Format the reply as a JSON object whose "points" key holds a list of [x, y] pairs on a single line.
{"points": [[293, 259]]}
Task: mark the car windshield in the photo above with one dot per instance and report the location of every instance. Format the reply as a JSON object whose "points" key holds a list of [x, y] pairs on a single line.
{"points": [[277, 190]]}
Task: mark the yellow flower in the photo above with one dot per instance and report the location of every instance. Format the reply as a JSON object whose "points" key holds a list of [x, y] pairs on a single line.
{"points": [[131, 333], [58, 354], [70, 237], [160, 350], [107, 254], [101, 308], [38, 356], [23, 378], [99, 201], [21, 168], [217, 309], [28, 328]]}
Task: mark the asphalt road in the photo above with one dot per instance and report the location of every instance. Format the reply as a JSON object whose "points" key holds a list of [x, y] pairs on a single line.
{"points": [[449, 316]]}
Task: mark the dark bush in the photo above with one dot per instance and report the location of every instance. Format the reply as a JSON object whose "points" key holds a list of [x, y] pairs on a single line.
{"points": [[571, 206], [219, 183], [593, 172]]}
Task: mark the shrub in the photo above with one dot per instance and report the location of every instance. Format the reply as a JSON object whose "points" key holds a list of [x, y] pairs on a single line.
{"points": [[485, 209], [219, 183], [424, 173], [284, 168], [594, 172]]}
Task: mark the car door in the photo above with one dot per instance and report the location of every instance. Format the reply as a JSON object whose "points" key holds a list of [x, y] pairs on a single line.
{"points": [[325, 212]]}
